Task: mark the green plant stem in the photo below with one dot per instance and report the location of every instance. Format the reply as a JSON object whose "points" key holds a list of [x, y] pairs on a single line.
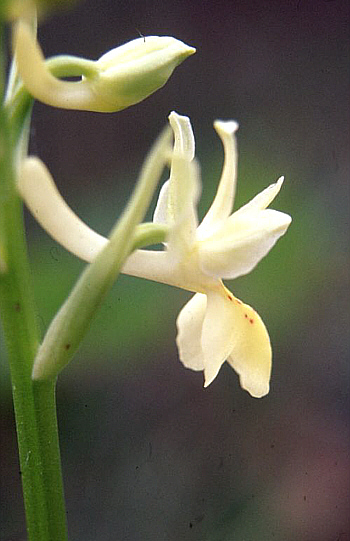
{"points": [[45, 409], [33, 403]]}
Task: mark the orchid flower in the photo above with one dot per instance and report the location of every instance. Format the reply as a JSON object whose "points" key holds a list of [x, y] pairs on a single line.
{"points": [[214, 326], [121, 77]]}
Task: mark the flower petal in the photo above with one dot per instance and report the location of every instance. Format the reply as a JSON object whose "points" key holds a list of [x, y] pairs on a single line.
{"points": [[189, 325], [251, 353], [184, 144], [223, 202], [183, 228], [216, 327], [218, 334], [161, 210], [183, 185], [41, 196], [243, 240], [184, 189], [264, 198]]}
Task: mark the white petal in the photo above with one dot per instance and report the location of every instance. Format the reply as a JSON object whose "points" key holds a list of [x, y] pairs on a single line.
{"points": [[182, 235], [264, 198], [184, 139], [244, 239], [223, 202], [251, 353], [218, 334], [161, 210], [189, 324], [41, 196], [184, 189], [184, 185], [219, 327]]}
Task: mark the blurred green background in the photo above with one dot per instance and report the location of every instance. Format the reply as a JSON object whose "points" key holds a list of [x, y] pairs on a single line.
{"points": [[148, 454]]}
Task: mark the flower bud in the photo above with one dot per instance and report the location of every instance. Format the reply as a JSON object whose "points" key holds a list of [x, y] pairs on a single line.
{"points": [[132, 72], [120, 78]]}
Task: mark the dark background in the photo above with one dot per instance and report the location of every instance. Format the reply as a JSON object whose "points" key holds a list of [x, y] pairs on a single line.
{"points": [[148, 454]]}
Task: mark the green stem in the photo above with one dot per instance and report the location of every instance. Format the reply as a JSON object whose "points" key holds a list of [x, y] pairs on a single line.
{"points": [[149, 233], [45, 408], [71, 66], [33, 403]]}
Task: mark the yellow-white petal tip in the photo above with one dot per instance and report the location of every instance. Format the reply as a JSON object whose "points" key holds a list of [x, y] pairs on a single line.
{"points": [[256, 388], [226, 127], [210, 373], [184, 139]]}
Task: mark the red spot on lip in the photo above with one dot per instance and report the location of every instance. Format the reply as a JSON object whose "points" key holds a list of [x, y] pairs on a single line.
{"points": [[230, 298], [251, 321]]}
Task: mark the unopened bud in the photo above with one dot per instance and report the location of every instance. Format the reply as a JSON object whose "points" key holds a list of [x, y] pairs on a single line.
{"points": [[122, 77], [130, 73]]}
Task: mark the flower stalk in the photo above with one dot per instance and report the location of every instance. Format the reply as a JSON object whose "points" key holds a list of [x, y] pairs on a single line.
{"points": [[34, 404]]}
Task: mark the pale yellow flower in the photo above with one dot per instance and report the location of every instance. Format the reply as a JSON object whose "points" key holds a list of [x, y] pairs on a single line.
{"points": [[214, 326]]}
